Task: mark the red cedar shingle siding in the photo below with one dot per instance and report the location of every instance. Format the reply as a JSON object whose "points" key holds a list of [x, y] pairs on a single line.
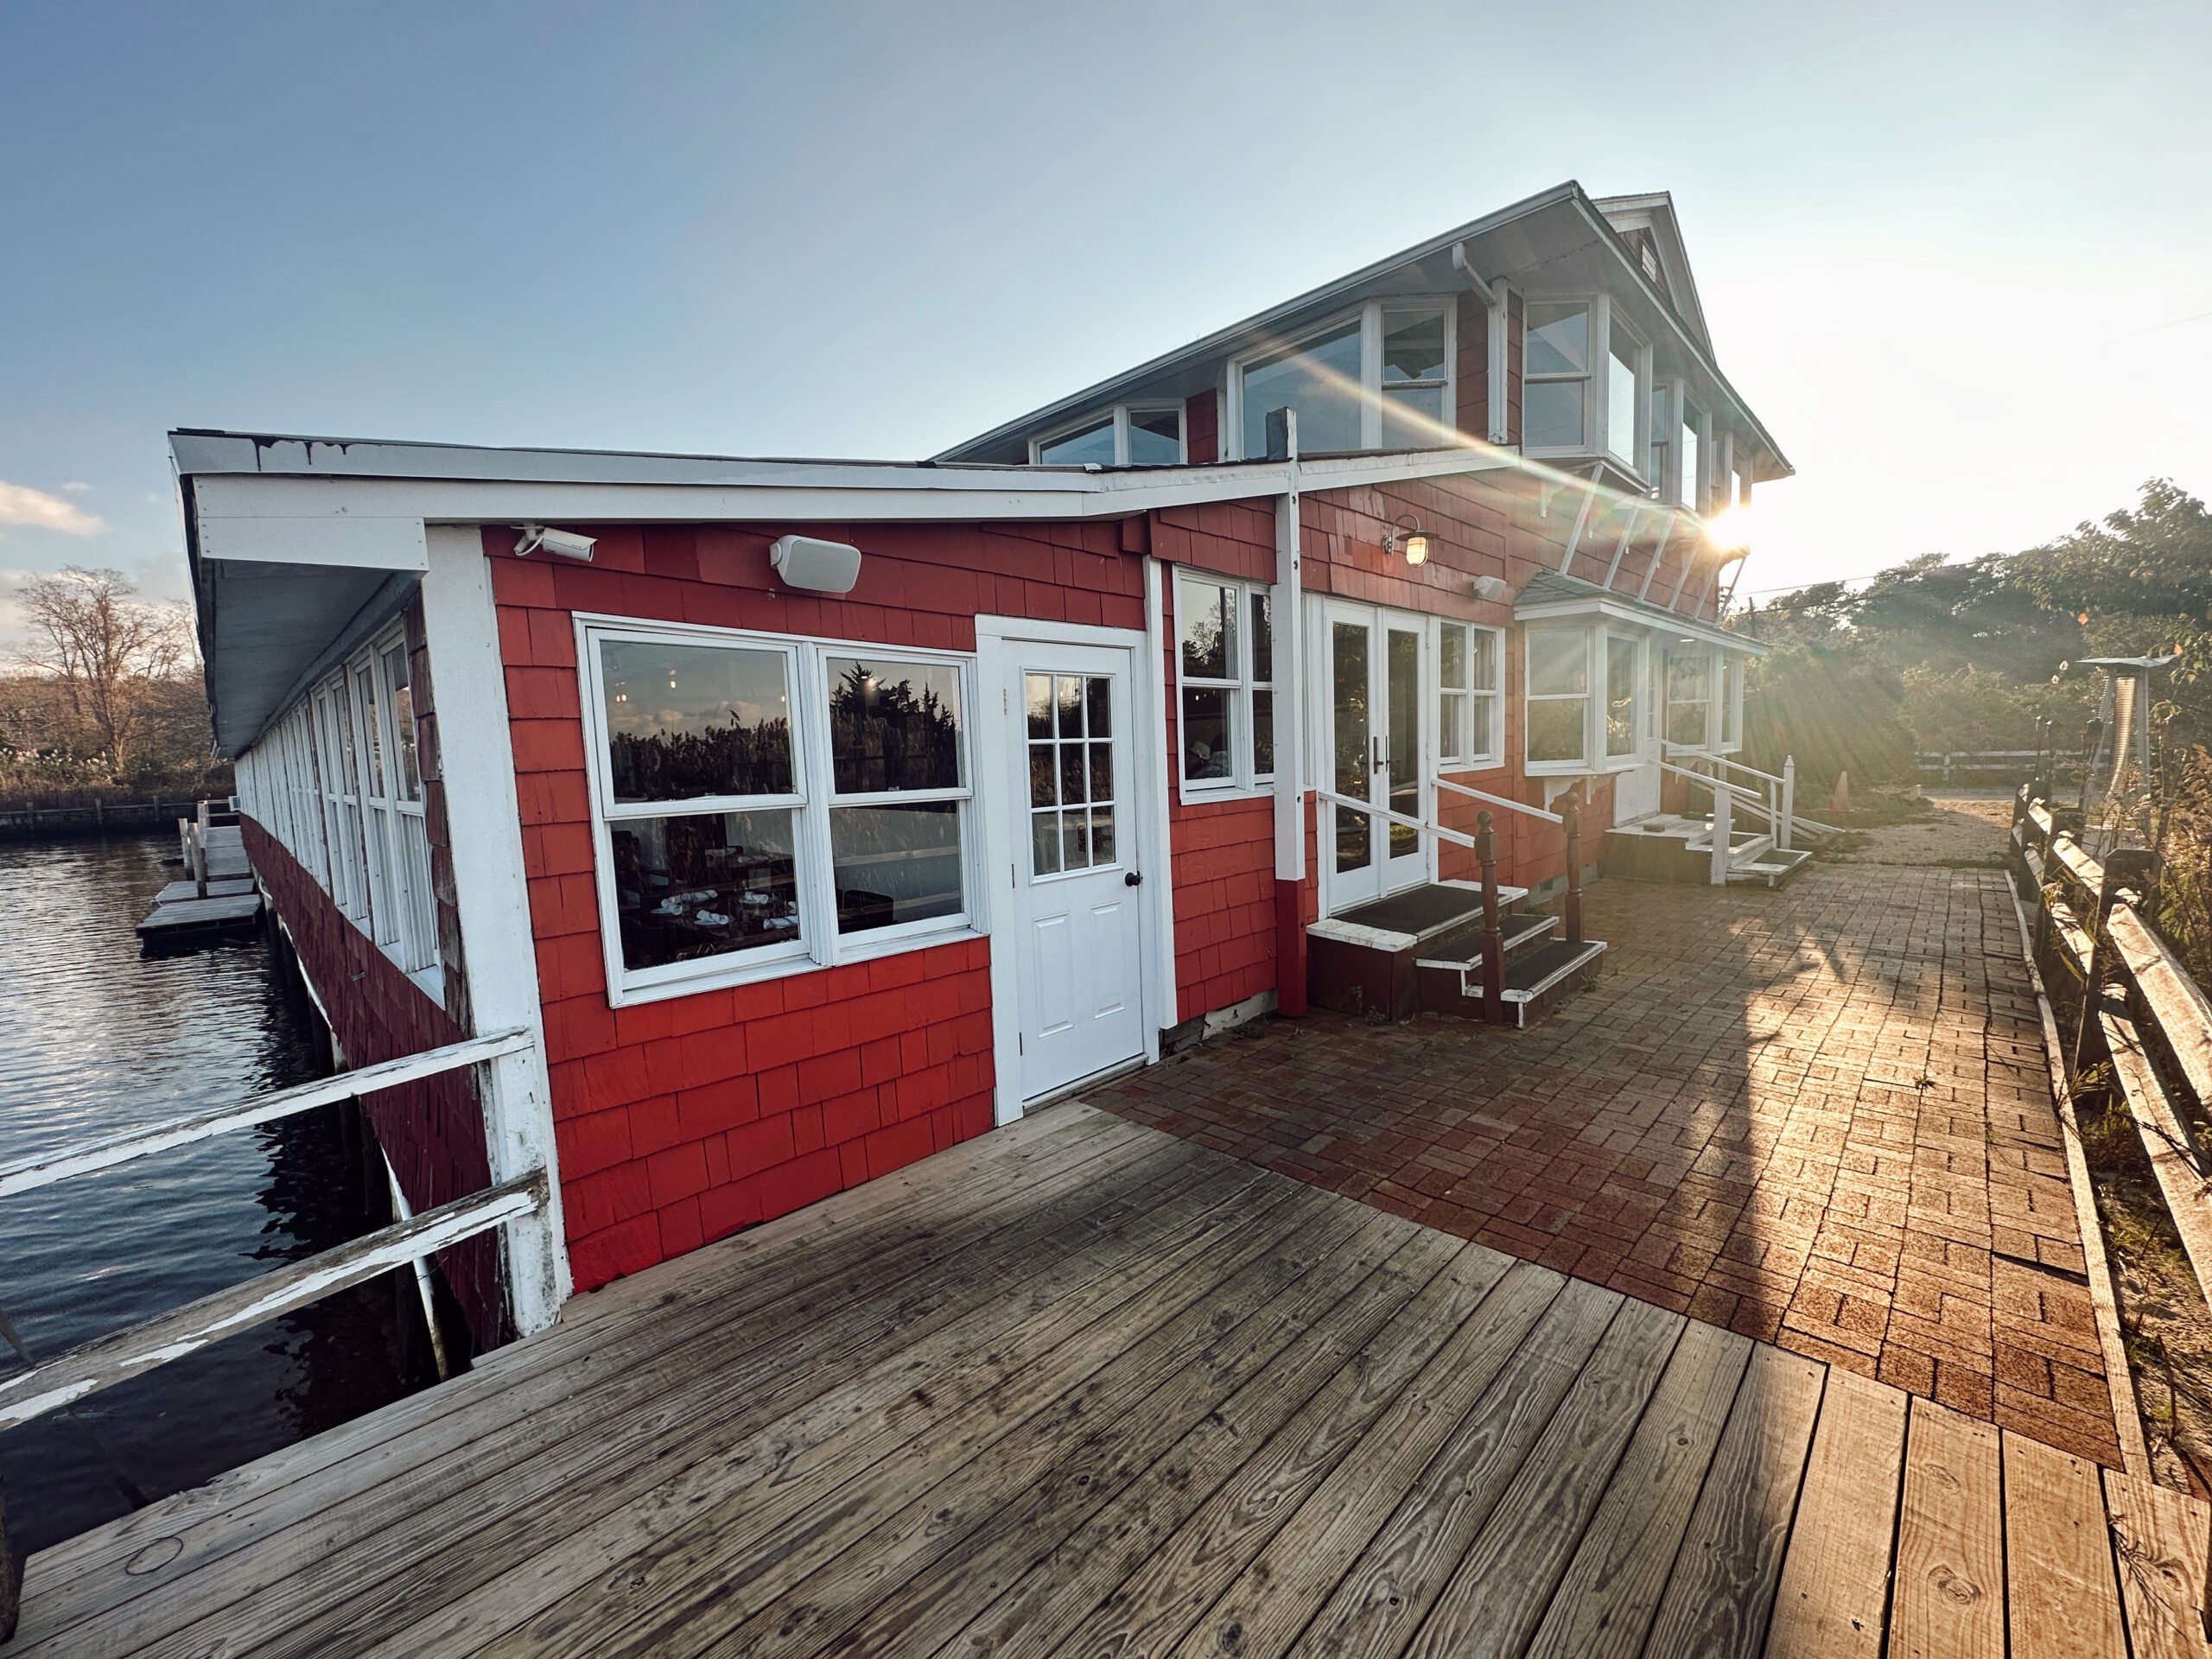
{"points": [[1202, 427], [683, 1120]]}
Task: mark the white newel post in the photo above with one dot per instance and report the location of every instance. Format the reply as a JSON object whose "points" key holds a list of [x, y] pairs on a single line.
{"points": [[476, 761], [1723, 830], [1788, 799]]}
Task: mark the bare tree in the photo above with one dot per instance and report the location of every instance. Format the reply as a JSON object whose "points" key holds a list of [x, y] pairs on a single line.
{"points": [[116, 657]]}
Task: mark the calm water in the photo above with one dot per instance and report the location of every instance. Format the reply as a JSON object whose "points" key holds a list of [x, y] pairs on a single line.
{"points": [[93, 1039]]}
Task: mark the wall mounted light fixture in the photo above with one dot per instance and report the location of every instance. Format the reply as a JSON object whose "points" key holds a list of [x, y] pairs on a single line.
{"points": [[1406, 536]]}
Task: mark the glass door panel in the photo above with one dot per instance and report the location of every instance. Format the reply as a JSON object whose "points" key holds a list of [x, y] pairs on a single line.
{"points": [[1349, 669], [1403, 697]]}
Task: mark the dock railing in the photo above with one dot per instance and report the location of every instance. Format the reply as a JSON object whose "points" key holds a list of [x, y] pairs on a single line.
{"points": [[2140, 1010], [514, 1206]]}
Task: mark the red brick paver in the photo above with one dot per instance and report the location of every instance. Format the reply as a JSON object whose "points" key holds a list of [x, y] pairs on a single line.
{"points": [[1820, 1116]]}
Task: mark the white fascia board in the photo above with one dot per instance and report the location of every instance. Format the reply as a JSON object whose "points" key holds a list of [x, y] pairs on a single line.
{"points": [[265, 514], [1565, 609]]}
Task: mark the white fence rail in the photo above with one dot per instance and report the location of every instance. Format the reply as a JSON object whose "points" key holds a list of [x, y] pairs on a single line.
{"points": [[517, 1205]]}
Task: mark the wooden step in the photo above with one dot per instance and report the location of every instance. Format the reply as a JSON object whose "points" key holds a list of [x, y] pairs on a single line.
{"points": [[1771, 867], [1461, 951], [1535, 981]]}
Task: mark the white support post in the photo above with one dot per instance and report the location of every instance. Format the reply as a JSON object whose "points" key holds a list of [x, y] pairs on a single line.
{"points": [[476, 760], [1289, 641], [1789, 800], [1723, 830]]}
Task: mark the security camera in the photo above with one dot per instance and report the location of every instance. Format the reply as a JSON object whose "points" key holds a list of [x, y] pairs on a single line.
{"points": [[570, 545]]}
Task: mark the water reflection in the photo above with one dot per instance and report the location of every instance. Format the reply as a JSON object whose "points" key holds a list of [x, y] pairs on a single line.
{"points": [[93, 1039]]}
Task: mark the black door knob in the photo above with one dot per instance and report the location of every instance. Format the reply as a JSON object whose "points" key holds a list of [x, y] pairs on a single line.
{"points": [[1134, 879]]}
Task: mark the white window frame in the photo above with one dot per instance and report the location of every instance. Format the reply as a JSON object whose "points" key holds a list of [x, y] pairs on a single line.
{"points": [[1594, 760], [1706, 745], [1483, 715], [812, 800], [1590, 378], [1638, 354], [1606, 322], [1690, 492], [1245, 779], [1119, 415], [1370, 318]]}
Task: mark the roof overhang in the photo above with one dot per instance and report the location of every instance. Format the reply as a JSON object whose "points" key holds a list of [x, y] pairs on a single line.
{"points": [[1561, 232], [1620, 607], [301, 546]]}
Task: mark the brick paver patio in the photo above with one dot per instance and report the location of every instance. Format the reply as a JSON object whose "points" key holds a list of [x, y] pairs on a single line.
{"points": [[1820, 1116]]}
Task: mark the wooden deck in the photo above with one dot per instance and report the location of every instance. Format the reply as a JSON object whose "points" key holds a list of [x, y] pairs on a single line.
{"points": [[1080, 1388]]}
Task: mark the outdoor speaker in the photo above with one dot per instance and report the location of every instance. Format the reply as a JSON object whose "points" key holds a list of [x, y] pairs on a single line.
{"points": [[818, 567]]}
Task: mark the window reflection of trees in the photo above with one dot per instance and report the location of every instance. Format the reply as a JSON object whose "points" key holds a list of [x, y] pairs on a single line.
{"points": [[732, 759], [883, 736]]}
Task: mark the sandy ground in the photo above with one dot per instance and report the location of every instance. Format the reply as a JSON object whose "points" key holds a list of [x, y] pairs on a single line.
{"points": [[1964, 829]]}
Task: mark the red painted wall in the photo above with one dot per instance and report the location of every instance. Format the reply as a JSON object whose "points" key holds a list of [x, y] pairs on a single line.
{"points": [[683, 1120]]}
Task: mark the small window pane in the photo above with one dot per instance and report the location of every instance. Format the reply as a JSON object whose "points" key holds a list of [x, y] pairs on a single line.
{"points": [[1102, 835], [1092, 446], [1207, 618], [364, 694], [1263, 638], [896, 863], [1413, 346], [1263, 733], [1098, 705], [1320, 380], [1451, 665], [1155, 437], [1622, 396], [688, 721], [1045, 843], [1688, 494], [1101, 772], [1556, 729], [1068, 693], [1558, 339], [1206, 734], [1483, 661], [1044, 775], [1551, 415], [1450, 718], [1072, 774], [1075, 840], [1558, 663], [403, 736], [1413, 418], [703, 885], [892, 725]]}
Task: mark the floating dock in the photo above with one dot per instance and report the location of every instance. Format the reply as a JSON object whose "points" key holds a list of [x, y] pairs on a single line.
{"points": [[218, 900]]}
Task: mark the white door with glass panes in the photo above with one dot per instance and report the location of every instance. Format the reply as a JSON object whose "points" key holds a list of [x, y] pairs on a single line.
{"points": [[1378, 752], [1077, 874]]}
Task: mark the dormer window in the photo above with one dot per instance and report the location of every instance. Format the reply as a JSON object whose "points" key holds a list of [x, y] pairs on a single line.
{"points": [[1379, 379], [1128, 434]]}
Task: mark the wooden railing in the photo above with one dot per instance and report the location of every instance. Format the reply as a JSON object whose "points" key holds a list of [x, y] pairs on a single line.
{"points": [[513, 1205], [2139, 1010]]}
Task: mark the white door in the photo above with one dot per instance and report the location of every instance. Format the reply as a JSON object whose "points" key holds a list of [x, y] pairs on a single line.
{"points": [[1077, 931], [1378, 746]]}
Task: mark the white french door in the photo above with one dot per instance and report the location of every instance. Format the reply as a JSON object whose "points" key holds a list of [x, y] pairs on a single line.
{"points": [[1378, 749]]}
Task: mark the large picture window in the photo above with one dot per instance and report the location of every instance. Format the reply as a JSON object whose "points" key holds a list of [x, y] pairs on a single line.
{"points": [[1558, 696], [1555, 377], [768, 804], [1470, 661], [1225, 665], [1587, 693]]}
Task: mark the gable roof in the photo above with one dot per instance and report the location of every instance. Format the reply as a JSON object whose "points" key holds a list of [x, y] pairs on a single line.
{"points": [[1539, 230]]}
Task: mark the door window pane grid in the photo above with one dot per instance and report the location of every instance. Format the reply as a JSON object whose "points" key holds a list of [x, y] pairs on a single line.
{"points": [[1072, 802]]}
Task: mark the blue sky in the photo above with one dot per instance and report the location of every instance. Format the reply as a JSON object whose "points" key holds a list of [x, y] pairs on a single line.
{"points": [[1959, 258]]}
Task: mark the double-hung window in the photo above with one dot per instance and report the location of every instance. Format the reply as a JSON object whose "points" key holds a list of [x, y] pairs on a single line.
{"points": [[769, 805], [1689, 699], [1555, 377], [1469, 700], [1379, 378], [1128, 434], [1558, 714], [1224, 663], [1690, 459], [1624, 378]]}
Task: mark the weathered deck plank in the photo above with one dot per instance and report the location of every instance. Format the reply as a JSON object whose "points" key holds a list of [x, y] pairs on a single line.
{"points": [[1083, 1389]]}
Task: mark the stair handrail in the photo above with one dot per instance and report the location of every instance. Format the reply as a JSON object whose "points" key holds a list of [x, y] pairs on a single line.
{"points": [[1375, 811], [1474, 794]]}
